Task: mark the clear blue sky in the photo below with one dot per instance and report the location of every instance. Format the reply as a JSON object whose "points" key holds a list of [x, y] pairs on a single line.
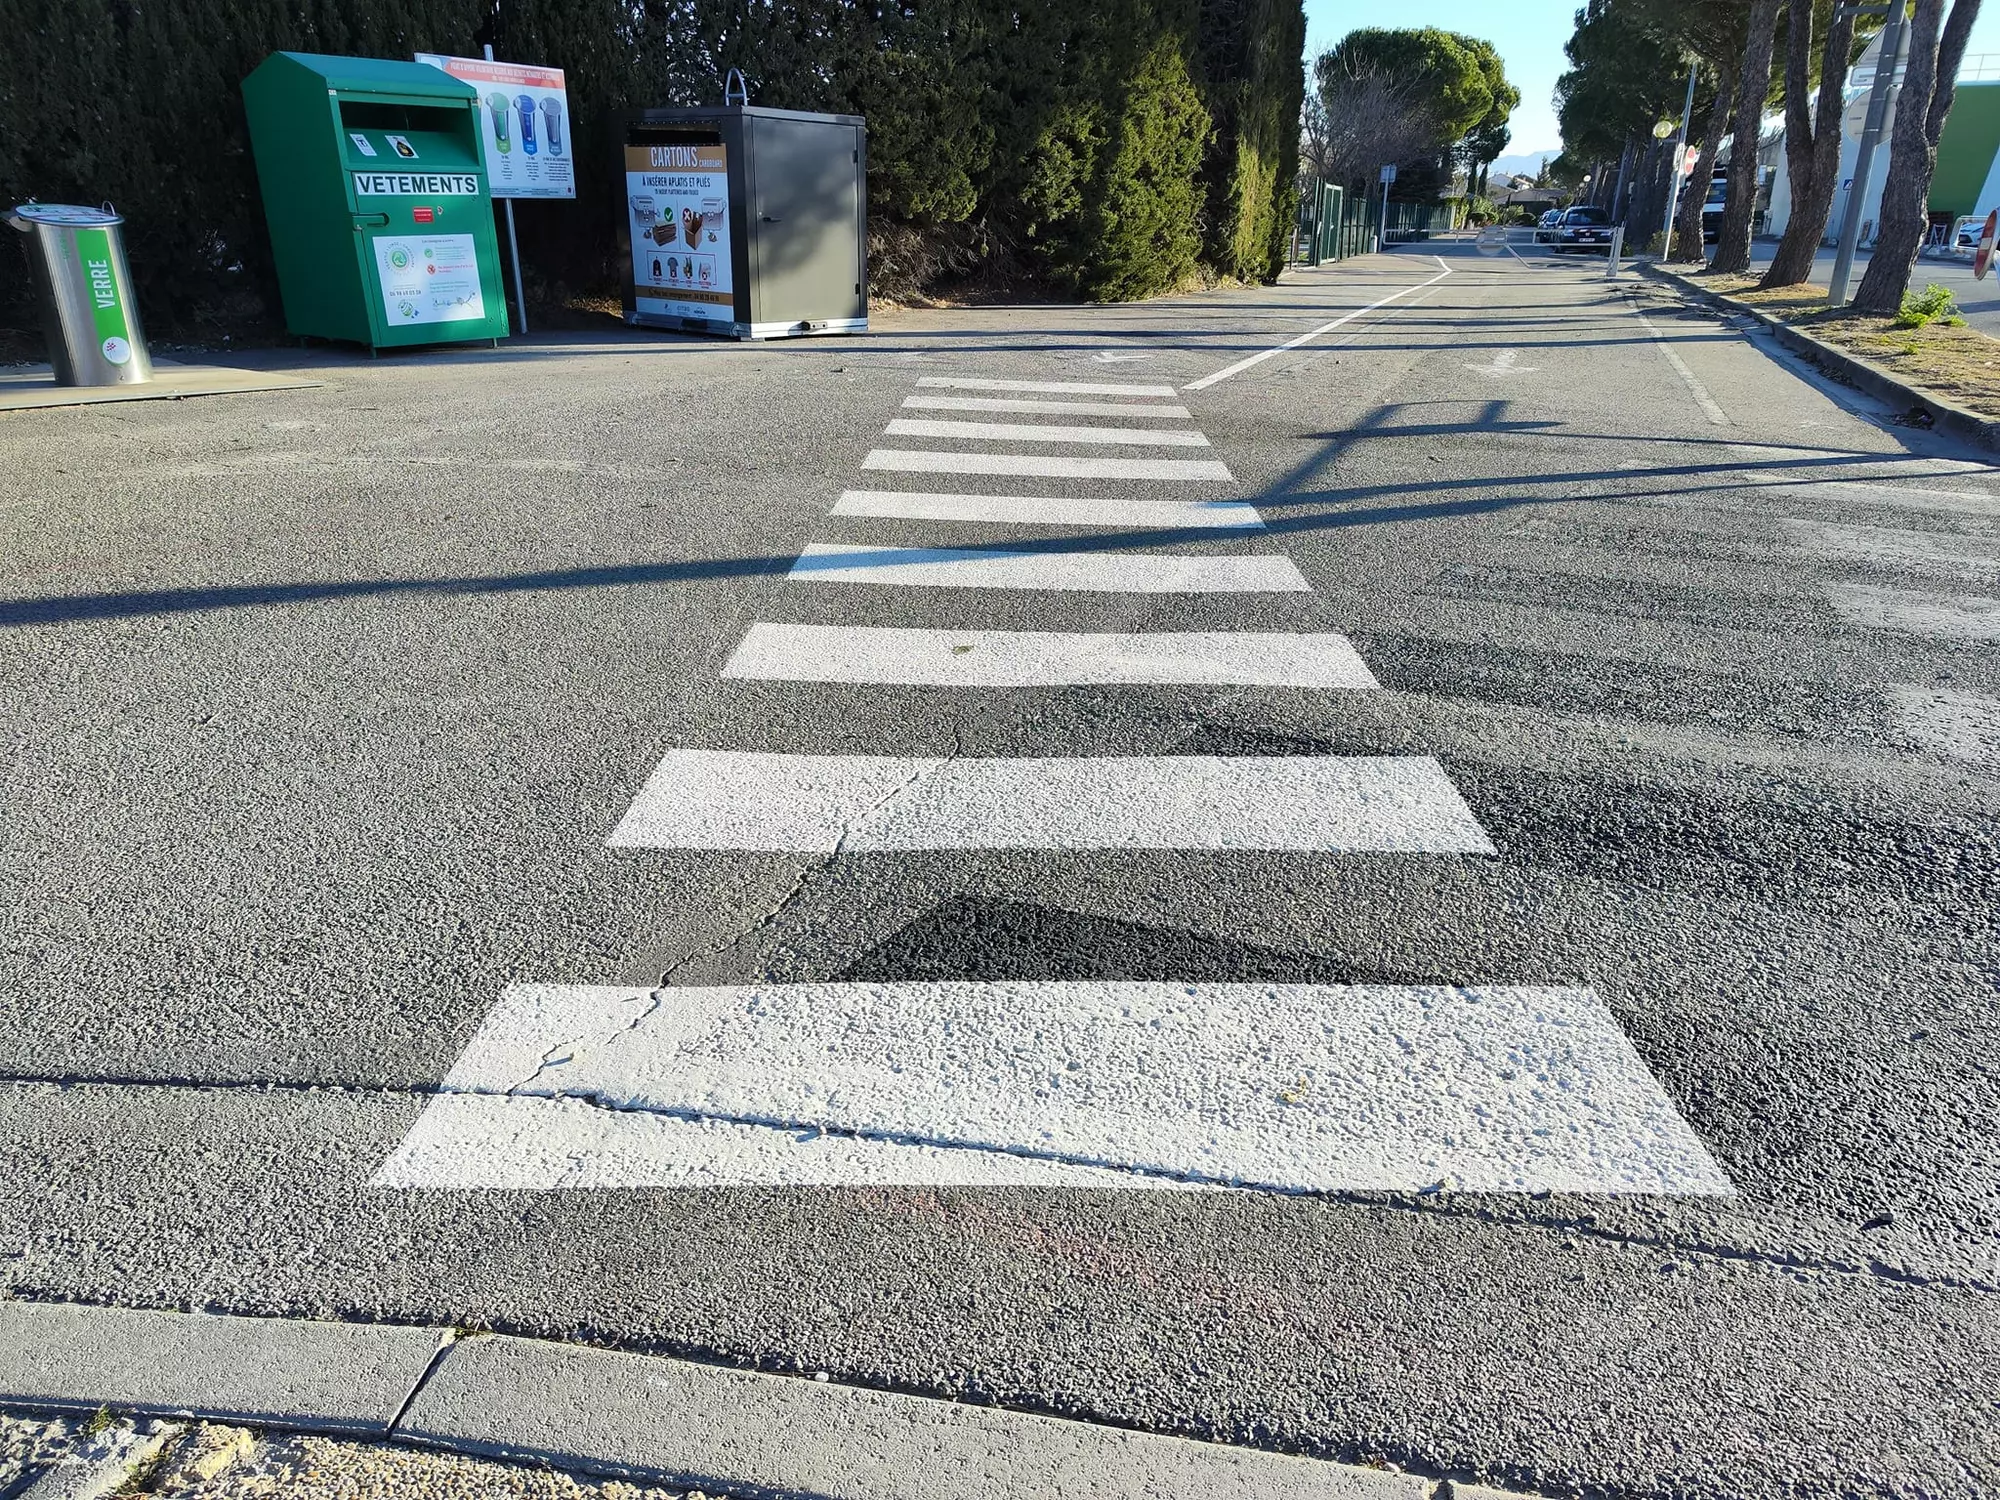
{"points": [[1529, 35]]}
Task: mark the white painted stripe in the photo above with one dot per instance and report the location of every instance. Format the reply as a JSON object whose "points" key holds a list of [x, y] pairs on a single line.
{"points": [[1901, 496], [1052, 510], [529, 1142], [1045, 465], [1963, 617], [1087, 572], [831, 804], [1305, 338], [1036, 432], [1696, 389], [1293, 1087], [1967, 559], [1036, 658], [1054, 387], [1801, 453], [1003, 403]]}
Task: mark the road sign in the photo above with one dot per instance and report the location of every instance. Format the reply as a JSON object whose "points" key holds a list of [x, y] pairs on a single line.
{"points": [[1982, 258], [1389, 173]]}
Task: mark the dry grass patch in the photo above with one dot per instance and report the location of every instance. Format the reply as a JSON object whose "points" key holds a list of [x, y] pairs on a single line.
{"points": [[1957, 364]]}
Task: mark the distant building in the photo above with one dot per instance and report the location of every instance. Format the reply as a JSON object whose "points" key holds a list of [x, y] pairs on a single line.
{"points": [[1528, 196], [1967, 178]]}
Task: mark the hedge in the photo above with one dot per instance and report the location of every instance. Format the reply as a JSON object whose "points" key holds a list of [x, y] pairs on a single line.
{"points": [[1118, 148]]}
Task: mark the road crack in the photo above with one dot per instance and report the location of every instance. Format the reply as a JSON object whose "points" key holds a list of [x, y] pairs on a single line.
{"points": [[769, 917]]}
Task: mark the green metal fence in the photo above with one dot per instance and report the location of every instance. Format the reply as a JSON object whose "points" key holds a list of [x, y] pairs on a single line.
{"points": [[1334, 224]]}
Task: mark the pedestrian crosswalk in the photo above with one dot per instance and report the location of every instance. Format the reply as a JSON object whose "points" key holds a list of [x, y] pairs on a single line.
{"points": [[1046, 466], [1077, 408], [1294, 1087], [1093, 572], [1052, 510], [1026, 432], [1065, 387], [1046, 658], [826, 804], [1285, 1087]]}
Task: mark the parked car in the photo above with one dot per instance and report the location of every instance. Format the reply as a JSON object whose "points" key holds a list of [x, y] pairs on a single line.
{"points": [[1584, 229], [1545, 227], [1711, 208]]}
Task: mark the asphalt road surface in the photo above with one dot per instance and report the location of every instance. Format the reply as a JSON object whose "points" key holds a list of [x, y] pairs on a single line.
{"points": [[1430, 896]]}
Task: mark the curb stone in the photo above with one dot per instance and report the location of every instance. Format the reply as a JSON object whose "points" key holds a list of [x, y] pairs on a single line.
{"points": [[103, 1468], [705, 1425], [1946, 416], [336, 1377], [632, 1416]]}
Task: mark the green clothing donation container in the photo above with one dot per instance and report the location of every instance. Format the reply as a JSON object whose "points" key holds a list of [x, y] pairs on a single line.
{"points": [[381, 222]]}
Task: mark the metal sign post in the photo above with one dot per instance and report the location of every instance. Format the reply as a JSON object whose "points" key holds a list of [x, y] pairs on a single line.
{"points": [[514, 245], [1887, 61], [1680, 170], [1388, 176]]}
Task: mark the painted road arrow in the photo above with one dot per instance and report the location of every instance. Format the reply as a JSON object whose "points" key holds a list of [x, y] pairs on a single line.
{"points": [[1503, 364]]}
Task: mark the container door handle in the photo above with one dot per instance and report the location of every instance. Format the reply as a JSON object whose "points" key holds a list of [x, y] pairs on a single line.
{"points": [[371, 221]]}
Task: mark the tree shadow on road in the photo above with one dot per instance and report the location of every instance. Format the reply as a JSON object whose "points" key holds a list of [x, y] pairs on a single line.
{"points": [[1294, 503]]}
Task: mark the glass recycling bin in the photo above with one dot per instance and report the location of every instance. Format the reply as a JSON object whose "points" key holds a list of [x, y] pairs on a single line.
{"points": [[378, 205], [745, 221]]}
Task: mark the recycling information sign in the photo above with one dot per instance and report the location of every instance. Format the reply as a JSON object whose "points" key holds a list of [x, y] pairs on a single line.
{"points": [[678, 199], [523, 125]]}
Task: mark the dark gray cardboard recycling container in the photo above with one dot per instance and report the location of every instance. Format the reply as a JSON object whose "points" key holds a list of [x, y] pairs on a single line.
{"points": [[747, 222]]}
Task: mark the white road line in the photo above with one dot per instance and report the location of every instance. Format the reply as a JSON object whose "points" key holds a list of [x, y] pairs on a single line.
{"points": [[1706, 402], [1052, 510], [1305, 338], [1053, 387], [1801, 454], [1962, 617], [1903, 496], [1036, 658], [1086, 572], [1973, 560], [828, 804], [1045, 465], [1286, 1087], [528, 1143], [1965, 726], [1036, 432], [1004, 403]]}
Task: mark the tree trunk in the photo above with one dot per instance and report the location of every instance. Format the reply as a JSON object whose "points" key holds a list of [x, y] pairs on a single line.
{"points": [[1694, 192], [1624, 175], [1912, 158], [1951, 52], [1812, 147], [1643, 210], [1732, 239]]}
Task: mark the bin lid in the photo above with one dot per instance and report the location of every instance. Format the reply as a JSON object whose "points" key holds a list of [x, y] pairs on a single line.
{"points": [[69, 215], [362, 76]]}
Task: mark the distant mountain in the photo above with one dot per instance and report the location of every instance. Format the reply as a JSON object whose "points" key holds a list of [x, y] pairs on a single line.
{"points": [[1529, 162]]}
